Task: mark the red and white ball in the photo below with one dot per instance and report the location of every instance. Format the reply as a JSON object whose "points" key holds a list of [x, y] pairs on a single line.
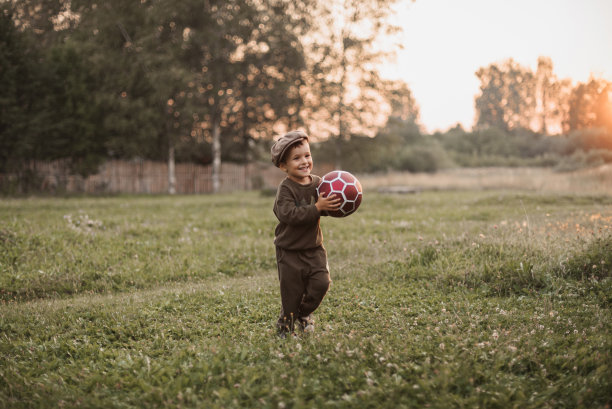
{"points": [[343, 185]]}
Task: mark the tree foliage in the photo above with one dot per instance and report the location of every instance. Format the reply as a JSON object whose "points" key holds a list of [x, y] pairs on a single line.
{"points": [[20, 98], [209, 80], [506, 99], [514, 97], [131, 79], [590, 106], [344, 87]]}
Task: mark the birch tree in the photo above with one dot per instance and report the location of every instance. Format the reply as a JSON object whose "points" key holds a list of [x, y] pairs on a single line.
{"points": [[344, 95]]}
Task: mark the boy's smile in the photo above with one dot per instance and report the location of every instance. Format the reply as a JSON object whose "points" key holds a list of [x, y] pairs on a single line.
{"points": [[298, 164]]}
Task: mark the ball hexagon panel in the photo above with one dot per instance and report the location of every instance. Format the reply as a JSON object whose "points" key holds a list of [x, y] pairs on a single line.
{"points": [[344, 185], [338, 184]]}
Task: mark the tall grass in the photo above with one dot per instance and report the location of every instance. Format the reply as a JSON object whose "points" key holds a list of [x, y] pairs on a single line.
{"points": [[439, 299]]}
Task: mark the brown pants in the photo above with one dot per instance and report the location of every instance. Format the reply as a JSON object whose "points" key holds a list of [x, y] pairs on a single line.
{"points": [[304, 281]]}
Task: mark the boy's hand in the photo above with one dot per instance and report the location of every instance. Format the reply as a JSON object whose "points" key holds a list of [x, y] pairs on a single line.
{"points": [[327, 203]]}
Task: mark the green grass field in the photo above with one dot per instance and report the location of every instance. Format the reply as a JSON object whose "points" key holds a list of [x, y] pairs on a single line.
{"points": [[491, 299]]}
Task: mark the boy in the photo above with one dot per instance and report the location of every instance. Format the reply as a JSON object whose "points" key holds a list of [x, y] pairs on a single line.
{"points": [[300, 255]]}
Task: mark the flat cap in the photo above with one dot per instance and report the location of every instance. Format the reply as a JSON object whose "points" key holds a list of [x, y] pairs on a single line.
{"points": [[282, 145]]}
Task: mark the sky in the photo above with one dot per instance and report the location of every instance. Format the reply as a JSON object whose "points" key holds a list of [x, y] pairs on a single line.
{"points": [[446, 41]]}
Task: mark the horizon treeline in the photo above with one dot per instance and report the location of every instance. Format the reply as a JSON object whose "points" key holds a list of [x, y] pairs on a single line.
{"points": [[523, 118], [210, 81], [195, 80]]}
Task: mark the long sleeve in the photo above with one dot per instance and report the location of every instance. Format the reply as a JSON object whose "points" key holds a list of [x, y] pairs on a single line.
{"points": [[289, 211], [298, 217]]}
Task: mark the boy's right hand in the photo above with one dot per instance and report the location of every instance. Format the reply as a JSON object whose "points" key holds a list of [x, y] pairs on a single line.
{"points": [[328, 203]]}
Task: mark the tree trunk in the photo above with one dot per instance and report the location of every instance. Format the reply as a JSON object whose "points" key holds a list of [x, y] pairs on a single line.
{"points": [[216, 151], [341, 107], [247, 161], [544, 128], [171, 175], [246, 139]]}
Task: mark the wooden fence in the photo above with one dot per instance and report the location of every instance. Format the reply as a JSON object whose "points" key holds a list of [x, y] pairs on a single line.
{"points": [[141, 176]]}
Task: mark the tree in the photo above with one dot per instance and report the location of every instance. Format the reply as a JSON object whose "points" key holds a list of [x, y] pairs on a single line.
{"points": [[110, 36], [506, 99], [551, 95], [589, 106], [21, 83], [343, 96], [97, 100], [72, 113], [245, 62], [403, 106], [213, 53], [50, 111], [512, 97], [196, 79], [544, 80]]}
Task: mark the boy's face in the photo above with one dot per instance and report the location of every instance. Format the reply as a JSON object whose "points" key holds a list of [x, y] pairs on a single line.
{"points": [[298, 163]]}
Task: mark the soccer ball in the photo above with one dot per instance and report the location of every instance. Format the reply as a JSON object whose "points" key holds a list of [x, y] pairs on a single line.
{"points": [[344, 185]]}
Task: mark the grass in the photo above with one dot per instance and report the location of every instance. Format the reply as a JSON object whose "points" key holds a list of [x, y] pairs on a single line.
{"points": [[441, 299]]}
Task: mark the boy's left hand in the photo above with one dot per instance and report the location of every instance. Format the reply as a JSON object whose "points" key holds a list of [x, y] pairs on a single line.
{"points": [[328, 203]]}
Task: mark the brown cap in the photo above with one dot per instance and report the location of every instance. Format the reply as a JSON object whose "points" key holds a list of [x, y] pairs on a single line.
{"points": [[281, 146]]}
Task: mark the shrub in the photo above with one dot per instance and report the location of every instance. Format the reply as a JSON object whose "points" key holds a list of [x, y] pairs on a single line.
{"points": [[429, 158], [582, 159]]}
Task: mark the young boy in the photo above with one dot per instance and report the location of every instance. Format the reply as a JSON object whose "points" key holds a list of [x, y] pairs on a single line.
{"points": [[300, 255]]}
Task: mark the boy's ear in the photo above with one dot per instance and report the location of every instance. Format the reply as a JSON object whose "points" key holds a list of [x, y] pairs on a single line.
{"points": [[283, 166]]}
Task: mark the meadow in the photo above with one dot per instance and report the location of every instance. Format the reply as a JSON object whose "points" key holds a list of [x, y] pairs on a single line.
{"points": [[440, 299]]}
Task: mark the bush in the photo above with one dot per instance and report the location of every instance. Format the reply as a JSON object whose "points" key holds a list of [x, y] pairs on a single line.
{"points": [[411, 151], [429, 158], [583, 159], [590, 139]]}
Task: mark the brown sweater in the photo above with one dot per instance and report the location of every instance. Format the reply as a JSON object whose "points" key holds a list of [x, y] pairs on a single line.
{"points": [[294, 207]]}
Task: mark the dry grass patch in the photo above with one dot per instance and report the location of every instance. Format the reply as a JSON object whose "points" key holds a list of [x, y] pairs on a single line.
{"points": [[596, 180]]}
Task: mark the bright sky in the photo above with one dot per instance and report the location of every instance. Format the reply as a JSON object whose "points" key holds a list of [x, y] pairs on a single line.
{"points": [[447, 41]]}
